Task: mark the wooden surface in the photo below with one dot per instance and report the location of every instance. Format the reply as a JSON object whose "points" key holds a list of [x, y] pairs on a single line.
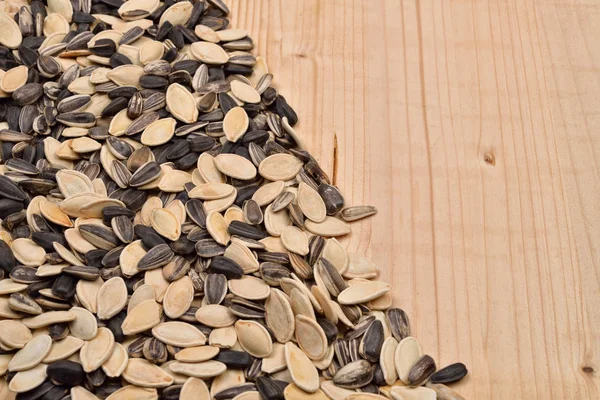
{"points": [[474, 127]]}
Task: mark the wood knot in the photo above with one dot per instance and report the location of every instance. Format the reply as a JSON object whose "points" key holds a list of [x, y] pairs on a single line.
{"points": [[587, 369], [489, 158]]}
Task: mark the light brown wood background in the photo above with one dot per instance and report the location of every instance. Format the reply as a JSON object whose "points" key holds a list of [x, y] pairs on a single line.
{"points": [[474, 127]]}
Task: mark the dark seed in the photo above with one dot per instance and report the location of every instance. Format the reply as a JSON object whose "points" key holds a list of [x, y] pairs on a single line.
{"points": [[10, 190], [103, 47], [8, 207], [423, 368], [399, 323], [101, 237], [177, 268], [233, 391], [227, 267], [64, 286], [234, 359], [155, 351], [215, 288], [372, 341], [246, 230], [83, 271], [332, 198], [451, 373], [66, 372], [272, 273], [110, 212], [22, 274], [123, 228], [209, 248], [156, 257], [354, 375], [145, 173], [268, 389]]}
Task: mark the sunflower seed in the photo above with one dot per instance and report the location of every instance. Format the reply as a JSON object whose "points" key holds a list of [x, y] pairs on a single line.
{"points": [[215, 288], [449, 374], [421, 370]]}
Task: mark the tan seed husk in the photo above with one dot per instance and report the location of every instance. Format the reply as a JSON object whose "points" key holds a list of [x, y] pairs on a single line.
{"points": [[158, 132], [311, 203], [310, 337], [116, 362], [408, 393], [84, 326], [235, 123], [133, 392], [112, 298], [329, 227], [295, 240], [235, 166], [180, 334], [280, 167], [14, 334], [243, 256], [31, 354], [142, 373], [336, 255], [217, 227], [178, 297], [197, 354], [181, 104], [63, 349], [249, 288], [165, 223], [266, 194], [279, 316], [215, 316], [407, 353], [303, 372], [10, 35], [360, 267], [27, 252], [141, 294], [13, 79], [293, 392], [204, 370], [224, 338], [363, 291], [209, 53], [276, 222], [254, 338], [387, 361], [211, 191], [96, 351], [208, 169], [244, 92], [143, 317], [194, 389], [27, 380], [48, 318], [301, 304]]}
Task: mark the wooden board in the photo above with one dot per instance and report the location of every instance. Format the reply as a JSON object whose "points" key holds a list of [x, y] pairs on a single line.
{"points": [[474, 127]]}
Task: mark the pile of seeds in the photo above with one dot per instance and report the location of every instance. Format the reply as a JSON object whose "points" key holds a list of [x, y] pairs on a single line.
{"points": [[165, 233]]}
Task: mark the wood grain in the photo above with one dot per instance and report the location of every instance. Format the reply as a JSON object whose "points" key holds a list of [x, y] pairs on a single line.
{"points": [[473, 127]]}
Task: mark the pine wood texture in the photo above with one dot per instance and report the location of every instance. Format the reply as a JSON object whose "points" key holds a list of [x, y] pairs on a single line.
{"points": [[473, 127]]}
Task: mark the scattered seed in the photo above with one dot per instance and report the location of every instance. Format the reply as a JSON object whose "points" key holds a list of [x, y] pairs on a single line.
{"points": [[155, 193]]}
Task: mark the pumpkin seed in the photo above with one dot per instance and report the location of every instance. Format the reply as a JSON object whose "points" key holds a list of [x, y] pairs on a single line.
{"points": [[254, 338], [407, 393], [96, 351], [112, 298]]}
